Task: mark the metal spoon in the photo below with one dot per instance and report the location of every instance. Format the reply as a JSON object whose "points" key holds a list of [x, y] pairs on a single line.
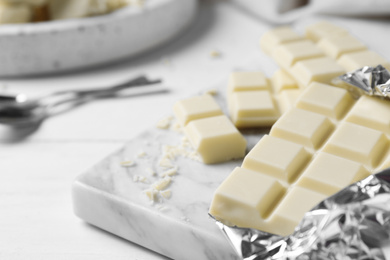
{"points": [[19, 111]]}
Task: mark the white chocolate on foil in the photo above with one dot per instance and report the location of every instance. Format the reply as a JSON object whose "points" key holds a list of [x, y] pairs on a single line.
{"points": [[314, 150]]}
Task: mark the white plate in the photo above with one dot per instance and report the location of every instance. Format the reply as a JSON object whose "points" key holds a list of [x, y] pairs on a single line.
{"points": [[57, 46]]}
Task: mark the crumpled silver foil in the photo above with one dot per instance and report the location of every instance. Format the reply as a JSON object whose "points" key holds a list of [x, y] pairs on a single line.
{"points": [[352, 224], [372, 81]]}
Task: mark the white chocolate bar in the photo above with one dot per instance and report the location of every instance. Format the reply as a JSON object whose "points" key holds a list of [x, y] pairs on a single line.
{"points": [[358, 143], [323, 69], [196, 107], [277, 36], [303, 127], [246, 193], [285, 166], [332, 103], [253, 108], [356, 60], [209, 131], [216, 139], [286, 55], [289, 212], [255, 101], [373, 113], [326, 142], [328, 173], [287, 99], [281, 80], [323, 29], [302, 62], [336, 45], [306, 63], [248, 80]]}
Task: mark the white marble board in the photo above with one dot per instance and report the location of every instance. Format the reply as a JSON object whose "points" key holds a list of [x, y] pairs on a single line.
{"points": [[178, 227]]}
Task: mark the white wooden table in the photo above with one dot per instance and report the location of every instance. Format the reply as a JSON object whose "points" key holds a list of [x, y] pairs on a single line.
{"points": [[36, 172]]}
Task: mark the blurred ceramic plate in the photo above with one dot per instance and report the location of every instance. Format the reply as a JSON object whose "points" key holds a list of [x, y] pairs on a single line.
{"points": [[57, 46]]}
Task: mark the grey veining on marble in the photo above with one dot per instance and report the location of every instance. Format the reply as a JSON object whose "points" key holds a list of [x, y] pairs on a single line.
{"points": [[178, 227]]}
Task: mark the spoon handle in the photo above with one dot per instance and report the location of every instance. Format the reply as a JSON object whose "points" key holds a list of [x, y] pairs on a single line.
{"points": [[62, 101], [112, 90]]}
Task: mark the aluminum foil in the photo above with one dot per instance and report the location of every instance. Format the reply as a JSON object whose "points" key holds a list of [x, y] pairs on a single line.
{"points": [[352, 224], [372, 81]]}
